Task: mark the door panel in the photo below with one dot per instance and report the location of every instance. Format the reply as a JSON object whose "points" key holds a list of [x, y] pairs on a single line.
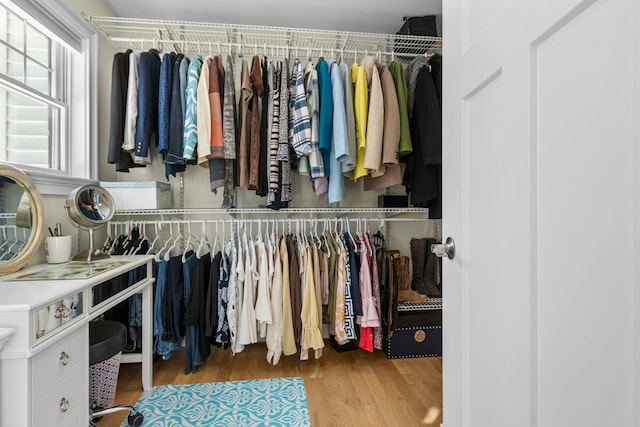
{"points": [[538, 192], [496, 240], [584, 188], [480, 15]]}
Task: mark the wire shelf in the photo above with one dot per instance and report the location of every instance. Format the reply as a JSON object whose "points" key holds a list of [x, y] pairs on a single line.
{"points": [[382, 212], [207, 38]]}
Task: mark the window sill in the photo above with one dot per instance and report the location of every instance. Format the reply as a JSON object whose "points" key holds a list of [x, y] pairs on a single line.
{"points": [[54, 184]]}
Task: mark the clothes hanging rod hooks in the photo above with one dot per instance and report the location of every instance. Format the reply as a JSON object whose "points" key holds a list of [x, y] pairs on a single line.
{"points": [[270, 212]]}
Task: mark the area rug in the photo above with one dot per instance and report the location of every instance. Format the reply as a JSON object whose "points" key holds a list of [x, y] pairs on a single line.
{"points": [[269, 402]]}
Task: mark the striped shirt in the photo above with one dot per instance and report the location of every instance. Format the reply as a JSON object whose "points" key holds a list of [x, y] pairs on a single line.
{"points": [[300, 121], [316, 163]]}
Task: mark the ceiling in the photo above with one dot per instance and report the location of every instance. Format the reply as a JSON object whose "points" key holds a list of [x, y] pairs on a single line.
{"points": [[372, 16]]}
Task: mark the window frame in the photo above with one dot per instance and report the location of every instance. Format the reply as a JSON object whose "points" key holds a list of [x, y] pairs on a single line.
{"points": [[78, 158]]}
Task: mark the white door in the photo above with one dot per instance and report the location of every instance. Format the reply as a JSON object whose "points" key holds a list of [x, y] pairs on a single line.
{"points": [[541, 119]]}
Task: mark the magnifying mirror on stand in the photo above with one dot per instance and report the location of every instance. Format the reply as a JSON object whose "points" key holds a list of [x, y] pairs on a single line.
{"points": [[90, 207]]}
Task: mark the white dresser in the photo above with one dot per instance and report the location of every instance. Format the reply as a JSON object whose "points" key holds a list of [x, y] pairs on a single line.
{"points": [[44, 365]]}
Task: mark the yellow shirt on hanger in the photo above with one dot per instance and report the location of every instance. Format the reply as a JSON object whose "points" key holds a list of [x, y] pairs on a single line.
{"points": [[361, 106]]}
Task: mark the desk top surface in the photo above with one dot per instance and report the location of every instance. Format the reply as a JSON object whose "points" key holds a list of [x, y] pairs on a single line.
{"points": [[28, 294]]}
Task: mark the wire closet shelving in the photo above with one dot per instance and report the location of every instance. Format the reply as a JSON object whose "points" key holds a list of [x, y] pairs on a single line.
{"points": [[207, 38], [201, 37]]}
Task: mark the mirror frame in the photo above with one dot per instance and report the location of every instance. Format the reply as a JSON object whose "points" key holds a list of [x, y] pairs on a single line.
{"points": [[37, 215]]}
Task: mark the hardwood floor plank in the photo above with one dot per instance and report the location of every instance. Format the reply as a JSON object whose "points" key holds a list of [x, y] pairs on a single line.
{"points": [[353, 388]]}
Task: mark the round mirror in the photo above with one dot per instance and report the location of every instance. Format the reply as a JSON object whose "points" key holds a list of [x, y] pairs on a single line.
{"points": [[90, 207], [21, 219]]}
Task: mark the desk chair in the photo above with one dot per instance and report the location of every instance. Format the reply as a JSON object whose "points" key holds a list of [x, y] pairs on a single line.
{"points": [[107, 339]]}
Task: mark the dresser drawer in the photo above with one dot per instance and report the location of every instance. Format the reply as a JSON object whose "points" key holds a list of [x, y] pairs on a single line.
{"points": [[60, 404], [58, 360]]}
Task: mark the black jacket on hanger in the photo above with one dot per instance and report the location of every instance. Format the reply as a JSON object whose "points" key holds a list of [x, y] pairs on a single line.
{"points": [[423, 165], [119, 87]]}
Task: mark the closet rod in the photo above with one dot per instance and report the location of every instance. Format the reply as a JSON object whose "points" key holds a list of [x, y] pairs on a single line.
{"points": [[206, 48], [260, 211], [259, 220]]}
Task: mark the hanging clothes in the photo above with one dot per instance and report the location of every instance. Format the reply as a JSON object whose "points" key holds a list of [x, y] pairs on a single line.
{"points": [[263, 177], [275, 330], [131, 115], [283, 147], [326, 113], [361, 108], [222, 337], [203, 114], [119, 87], [397, 72], [263, 298], [216, 80], [316, 162], [211, 314], [339, 153], [164, 100], [244, 140], [349, 163], [229, 119], [235, 302], [248, 333], [375, 118], [274, 140], [421, 175], [173, 161], [254, 148], [192, 358], [191, 116], [312, 337], [288, 336], [390, 140], [147, 121]]}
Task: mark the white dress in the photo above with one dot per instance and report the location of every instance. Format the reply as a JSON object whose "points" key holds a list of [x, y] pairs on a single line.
{"points": [[274, 330], [248, 333], [263, 300], [236, 347]]}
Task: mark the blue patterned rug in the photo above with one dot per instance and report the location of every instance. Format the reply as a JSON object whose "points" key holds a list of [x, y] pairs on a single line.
{"points": [[269, 402]]}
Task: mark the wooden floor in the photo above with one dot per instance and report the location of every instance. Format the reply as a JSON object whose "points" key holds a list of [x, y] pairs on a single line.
{"points": [[352, 388]]}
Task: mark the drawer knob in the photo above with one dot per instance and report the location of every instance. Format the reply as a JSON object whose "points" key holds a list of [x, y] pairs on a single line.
{"points": [[62, 311], [64, 405], [64, 359]]}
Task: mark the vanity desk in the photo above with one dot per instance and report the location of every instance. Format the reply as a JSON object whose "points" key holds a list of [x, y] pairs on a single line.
{"points": [[44, 365]]}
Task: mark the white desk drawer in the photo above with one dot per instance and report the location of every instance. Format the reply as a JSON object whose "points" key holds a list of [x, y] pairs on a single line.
{"points": [[58, 360], [60, 405]]}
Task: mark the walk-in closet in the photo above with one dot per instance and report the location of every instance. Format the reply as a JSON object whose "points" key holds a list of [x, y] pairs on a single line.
{"points": [[275, 196], [355, 212]]}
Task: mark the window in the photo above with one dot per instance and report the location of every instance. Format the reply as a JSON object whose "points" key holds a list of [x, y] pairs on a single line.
{"points": [[47, 87]]}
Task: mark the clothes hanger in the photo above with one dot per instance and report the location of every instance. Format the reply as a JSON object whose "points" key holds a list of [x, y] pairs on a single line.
{"points": [[167, 254], [132, 246], [188, 244], [144, 238], [204, 241], [155, 239], [165, 245], [126, 233], [106, 246], [215, 242], [348, 231]]}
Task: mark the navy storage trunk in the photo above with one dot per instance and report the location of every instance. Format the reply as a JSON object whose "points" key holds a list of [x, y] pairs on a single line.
{"points": [[417, 332]]}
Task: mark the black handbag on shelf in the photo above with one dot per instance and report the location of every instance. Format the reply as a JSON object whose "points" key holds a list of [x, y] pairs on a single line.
{"points": [[419, 26], [415, 26]]}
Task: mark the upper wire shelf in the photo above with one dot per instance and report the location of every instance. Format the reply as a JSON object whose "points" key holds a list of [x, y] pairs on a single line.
{"points": [[263, 211], [200, 37]]}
